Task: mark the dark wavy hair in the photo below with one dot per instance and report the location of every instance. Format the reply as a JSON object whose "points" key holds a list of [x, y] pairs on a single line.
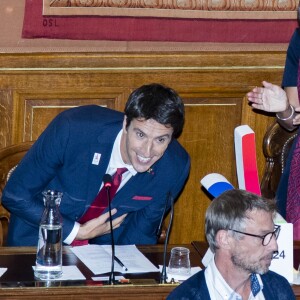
{"points": [[157, 102]]}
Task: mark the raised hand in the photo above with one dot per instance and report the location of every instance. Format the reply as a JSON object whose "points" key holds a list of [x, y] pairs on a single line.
{"points": [[269, 98]]}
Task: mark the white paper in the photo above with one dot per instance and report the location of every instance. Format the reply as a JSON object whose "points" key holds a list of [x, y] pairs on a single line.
{"points": [[71, 273], [283, 262], [2, 271], [98, 259], [106, 278], [177, 277]]}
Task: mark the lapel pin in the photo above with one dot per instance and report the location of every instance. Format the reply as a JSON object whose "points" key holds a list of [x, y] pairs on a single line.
{"points": [[150, 171], [96, 159]]}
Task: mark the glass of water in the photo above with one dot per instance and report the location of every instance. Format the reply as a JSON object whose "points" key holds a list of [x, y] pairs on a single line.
{"points": [[180, 261]]}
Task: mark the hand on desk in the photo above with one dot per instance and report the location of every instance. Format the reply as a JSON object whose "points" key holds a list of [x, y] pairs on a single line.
{"points": [[98, 226]]}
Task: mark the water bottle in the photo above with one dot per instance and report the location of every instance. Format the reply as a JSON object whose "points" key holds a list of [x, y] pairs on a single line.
{"points": [[49, 250]]}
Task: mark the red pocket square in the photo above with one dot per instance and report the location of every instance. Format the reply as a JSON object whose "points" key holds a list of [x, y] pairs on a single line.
{"points": [[143, 198]]}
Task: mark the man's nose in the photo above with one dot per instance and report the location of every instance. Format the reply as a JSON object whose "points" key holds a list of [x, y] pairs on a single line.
{"points": [[273, 243], [148, 148]]}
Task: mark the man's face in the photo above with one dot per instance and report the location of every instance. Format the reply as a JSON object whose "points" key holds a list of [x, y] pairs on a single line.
{"points": [[248, 253], [144, 142]]}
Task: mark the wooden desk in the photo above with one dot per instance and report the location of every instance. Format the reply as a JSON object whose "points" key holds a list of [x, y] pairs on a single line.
{"points": [[18, 281], [202, 248]]}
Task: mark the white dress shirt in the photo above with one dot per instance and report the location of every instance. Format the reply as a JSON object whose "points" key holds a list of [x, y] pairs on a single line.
{"points": [[220, 290]]}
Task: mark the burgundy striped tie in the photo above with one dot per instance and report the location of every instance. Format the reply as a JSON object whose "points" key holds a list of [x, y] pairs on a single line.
{"points": [[100, 203]]}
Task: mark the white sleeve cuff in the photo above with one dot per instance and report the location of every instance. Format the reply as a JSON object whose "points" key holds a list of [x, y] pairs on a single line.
{"points": [[71, 237]]}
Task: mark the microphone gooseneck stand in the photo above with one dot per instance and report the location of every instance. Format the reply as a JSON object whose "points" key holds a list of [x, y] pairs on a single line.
{"points": [[163, 278], [107, 179], [159, 228]]}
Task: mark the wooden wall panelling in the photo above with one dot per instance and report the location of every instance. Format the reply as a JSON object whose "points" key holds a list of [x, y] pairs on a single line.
{"points": [[208, 137], [35, 87], [6, 115], [36, 110]]}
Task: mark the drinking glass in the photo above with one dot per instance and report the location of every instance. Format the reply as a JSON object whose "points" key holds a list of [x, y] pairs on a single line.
{"points": [[180, 261]]}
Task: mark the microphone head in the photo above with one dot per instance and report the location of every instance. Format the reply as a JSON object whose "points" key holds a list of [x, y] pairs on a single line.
{"points": [[107, 180], [216, 184]]}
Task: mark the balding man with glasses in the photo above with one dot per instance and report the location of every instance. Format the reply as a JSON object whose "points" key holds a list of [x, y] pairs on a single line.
{"points": [[240, 230]]}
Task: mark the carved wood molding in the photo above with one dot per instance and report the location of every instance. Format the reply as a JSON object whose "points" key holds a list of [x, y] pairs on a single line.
{"points": [[224, 9]]}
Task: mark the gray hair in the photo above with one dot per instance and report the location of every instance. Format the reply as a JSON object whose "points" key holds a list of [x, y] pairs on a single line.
{"points": [[230, 211]]}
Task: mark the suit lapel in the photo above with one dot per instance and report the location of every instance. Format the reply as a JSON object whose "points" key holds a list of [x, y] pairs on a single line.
{"points": [[103, 147]]}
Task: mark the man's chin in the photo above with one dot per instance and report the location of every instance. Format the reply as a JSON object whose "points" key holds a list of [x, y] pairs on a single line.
{"points": [[142, 169], [264, 269]]}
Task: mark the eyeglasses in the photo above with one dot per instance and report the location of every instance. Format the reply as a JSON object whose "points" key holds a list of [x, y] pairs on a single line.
{"points": [[266, 239]]}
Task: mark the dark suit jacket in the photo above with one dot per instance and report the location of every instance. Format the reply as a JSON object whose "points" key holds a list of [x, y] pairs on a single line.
{"points": [[276, 287], [61, 159]]}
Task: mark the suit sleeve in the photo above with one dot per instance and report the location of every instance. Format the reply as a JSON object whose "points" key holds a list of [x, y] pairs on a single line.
{"points": [[22, 194]]}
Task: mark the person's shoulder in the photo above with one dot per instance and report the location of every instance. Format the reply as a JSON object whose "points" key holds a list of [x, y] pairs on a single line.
{"points": [[270, 275], [176, 160], [90, 113], [193, 288], [295, 39], [277, 282], [176, 147], [89, 109]]}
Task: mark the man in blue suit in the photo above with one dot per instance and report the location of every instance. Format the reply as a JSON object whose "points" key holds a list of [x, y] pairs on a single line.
{"points": [[81, 145]]}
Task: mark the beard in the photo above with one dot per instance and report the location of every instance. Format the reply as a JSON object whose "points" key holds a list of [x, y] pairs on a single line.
{"points": [[260, 266]]}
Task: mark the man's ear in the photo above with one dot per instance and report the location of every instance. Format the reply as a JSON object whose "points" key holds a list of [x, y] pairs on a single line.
{"points": [[222, 239], [124, 124]]}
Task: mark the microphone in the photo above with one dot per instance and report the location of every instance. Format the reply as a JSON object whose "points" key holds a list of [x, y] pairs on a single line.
{"points": [[107, 181], [163, 278], [216, 184], [159, 228]]}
